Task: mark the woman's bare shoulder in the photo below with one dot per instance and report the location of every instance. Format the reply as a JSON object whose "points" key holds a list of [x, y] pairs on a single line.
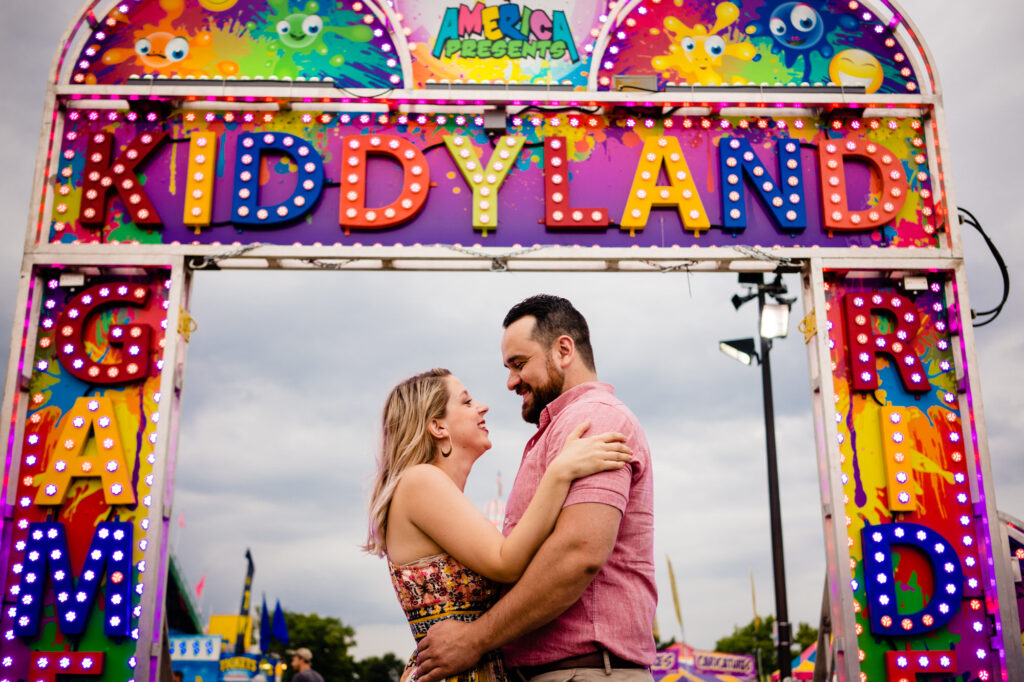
{"points": [[422, 476]]}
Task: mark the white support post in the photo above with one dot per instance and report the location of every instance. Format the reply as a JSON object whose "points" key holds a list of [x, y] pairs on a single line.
{"points": [[833, 510], [1000, 573], [149, 648]]}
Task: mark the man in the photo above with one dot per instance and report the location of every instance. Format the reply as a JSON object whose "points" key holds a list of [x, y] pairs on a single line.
{"points": [[302, 659], [585, 605]]}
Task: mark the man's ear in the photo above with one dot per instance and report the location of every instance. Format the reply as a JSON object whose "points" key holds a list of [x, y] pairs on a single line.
{"points": [[564, 350]]}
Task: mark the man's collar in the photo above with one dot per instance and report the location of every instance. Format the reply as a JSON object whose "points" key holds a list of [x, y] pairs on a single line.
{"points": [[567, 398]]}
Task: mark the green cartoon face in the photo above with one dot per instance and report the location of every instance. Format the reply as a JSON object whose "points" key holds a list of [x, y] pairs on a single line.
{"points": [[303, 34], [301, 30]]}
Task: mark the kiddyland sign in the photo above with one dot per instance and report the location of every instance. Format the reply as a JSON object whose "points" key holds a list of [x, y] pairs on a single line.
{"points": [[553, 178]]}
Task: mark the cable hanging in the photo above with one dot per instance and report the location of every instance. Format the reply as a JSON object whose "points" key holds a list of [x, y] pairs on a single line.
{"points": [[968, 218], [499, 263], [210, 262]]}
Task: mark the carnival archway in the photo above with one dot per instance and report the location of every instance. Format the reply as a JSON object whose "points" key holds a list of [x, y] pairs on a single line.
{"points": [[183, 137]]}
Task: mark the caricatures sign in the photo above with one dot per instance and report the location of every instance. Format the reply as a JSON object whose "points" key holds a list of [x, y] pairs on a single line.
{"points": [[639, 123], [716, 663]]}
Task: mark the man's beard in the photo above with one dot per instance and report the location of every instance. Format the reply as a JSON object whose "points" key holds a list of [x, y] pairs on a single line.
{"points": [[543, 395]]}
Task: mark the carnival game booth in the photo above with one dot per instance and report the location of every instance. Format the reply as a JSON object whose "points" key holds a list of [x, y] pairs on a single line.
{"points": [[801, 137], [681, 663], [202, 658]]}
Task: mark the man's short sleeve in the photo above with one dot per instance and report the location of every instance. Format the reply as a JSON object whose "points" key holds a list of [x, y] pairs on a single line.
{"points": [[607, 487]]}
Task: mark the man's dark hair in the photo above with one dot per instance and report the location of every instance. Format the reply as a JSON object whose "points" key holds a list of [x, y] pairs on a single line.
{"points": [[555, 316]]}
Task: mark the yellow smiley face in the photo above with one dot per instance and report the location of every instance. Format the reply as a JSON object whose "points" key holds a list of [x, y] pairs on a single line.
{"points": [[851, 68], [218, 5]]}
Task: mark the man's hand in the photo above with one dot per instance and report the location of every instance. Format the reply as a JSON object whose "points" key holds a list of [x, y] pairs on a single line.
{"points": [[448, 649]]}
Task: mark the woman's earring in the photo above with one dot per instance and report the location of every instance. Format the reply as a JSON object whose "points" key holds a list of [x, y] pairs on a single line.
{"points": [[450, 446]]}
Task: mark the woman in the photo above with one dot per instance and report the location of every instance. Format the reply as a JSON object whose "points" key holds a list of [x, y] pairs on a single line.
{"points": [[446, 558]]}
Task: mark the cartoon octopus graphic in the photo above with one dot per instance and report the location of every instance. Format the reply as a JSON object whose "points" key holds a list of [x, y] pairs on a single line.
{"points": [[797, 29], [302, 33], [696, 52], [162, 47]]}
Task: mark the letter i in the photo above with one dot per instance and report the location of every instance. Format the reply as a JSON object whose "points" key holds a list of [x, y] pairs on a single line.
{"points": [[202, 159]]}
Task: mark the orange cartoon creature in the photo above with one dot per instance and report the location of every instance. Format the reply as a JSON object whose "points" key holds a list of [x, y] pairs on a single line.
{"points": [[696, 52], [163, 47]]}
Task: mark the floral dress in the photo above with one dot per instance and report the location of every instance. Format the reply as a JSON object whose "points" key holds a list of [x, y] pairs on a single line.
{"points": [[437, 588]]}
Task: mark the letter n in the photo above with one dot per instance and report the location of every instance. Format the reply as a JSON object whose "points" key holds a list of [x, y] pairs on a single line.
{"points": [[785, 198]]}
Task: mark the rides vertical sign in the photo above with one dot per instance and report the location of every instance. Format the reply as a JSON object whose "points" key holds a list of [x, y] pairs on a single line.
{"points": [[920, 565]]}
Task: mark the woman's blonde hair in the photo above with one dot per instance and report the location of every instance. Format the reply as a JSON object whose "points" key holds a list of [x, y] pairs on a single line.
{"points": [[405, 442]]}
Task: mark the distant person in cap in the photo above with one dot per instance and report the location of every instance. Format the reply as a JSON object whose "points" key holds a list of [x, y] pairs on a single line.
{"points": [[302, 660]]}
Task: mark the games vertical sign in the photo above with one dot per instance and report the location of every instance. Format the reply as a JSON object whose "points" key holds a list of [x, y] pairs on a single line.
{"points": [[77, 541]]}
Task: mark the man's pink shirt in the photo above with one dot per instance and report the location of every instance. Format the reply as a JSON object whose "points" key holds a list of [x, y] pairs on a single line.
{"points": [[616, 612]]}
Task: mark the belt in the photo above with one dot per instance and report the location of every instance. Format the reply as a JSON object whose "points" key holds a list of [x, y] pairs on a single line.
{"points": [[595, 659]]}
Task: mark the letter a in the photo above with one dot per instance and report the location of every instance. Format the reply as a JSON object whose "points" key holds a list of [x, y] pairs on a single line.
{"points": [[646, 194], [68, 460]]}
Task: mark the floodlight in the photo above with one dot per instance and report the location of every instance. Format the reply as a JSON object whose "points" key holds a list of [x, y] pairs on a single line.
{"points": [[742, 350], [738, 300], [774, 320]]}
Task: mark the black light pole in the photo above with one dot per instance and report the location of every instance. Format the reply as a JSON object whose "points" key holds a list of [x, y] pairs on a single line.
{"points": [[775, 511], [776, 289]]}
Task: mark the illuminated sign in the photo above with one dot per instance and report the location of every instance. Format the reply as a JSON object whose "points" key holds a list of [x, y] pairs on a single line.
{"points": [[506, 30], [715, 663], [309, 178]]}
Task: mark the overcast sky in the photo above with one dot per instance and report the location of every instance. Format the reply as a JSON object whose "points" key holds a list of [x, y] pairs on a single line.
{"points": [[287, 373]]}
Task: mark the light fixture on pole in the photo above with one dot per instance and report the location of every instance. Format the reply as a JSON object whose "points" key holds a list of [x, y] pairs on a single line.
{"points": [[741, 350], [774, 323], [774, 320]]}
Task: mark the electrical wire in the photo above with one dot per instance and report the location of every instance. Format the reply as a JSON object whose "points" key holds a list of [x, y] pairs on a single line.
{"points": [[383, 93], [533, 108], [966, 217]]}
